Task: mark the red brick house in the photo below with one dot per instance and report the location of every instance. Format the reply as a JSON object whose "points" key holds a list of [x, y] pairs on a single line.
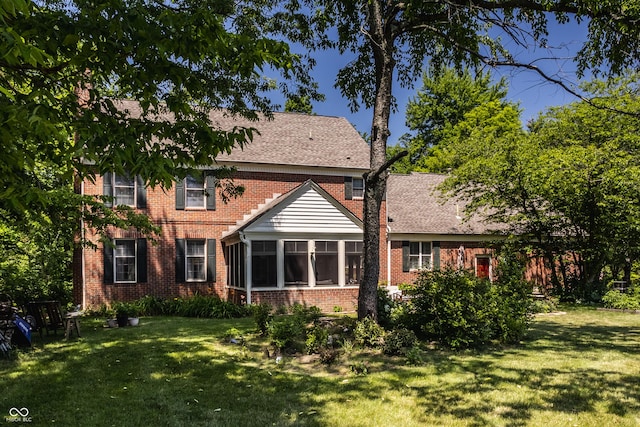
{"points": [[294, 236], [427, 231]]}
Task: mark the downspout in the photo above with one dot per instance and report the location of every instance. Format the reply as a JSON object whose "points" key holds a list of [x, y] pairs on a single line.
{"points": [[83, 268], [244, 241], [388, 256]]}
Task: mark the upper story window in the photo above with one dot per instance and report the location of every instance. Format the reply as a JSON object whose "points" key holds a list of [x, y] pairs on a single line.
{"points": [[125, 190], [358, 188], [353, 188], [196, 192]]}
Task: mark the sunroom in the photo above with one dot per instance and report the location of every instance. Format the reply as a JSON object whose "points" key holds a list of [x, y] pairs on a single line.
{"points": [[302, 247]]}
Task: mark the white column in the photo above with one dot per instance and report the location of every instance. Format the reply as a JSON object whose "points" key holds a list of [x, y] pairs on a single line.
{"points": [[311, 252], [280, 263], [341, 263], [248, 274]]}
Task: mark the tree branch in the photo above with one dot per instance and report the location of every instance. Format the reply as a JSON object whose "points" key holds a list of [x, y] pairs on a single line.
{"points": [[374, 176]]}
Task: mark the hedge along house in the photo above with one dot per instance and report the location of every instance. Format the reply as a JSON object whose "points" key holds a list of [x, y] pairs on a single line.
{"points": [[294, 236], [425, 231]]}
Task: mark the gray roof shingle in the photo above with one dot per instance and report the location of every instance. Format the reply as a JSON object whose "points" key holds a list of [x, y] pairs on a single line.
{"points": [[415, 206], [289, 139]]}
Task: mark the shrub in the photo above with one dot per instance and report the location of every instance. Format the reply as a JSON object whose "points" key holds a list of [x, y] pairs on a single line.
{"points": [[415, 356], [622, 301], [317, 339], [286, 331], [262, 316], [385, 306], [546, 305], [460, 310], [398, 341], [368, 333], [306, 314]]}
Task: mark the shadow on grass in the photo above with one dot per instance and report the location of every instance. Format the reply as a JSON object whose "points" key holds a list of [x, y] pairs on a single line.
{"points": [[173, 371]]}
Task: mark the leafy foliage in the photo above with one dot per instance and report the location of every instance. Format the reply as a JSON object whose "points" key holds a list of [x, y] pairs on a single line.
{"points": [[368, 333], [460, 310], [629, 300], [205, 306], [262, 315], [446, 98], [398, 341], [570, 184], [392, 41]]}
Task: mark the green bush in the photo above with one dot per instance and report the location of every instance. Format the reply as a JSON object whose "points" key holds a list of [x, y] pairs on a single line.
{"points": [[317, 339], [398, 341], [622, 301], [368, 333], [460, 311], [286, 331], [385, 306], [262, 316], [207, 306], [306, 314]]}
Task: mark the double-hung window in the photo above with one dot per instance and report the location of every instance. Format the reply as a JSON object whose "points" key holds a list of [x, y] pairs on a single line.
{"points": [[416, 256], [196, 261], [125, 261], [353, 188], [196, 192], [358, 188], [419, 255], [125, 190], [124, 256]]}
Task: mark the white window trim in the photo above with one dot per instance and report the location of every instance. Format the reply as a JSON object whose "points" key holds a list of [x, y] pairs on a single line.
{"points": [[115, 186], [422, 256], [135, 261], [203, 188], [353, 188], [187, 256]]}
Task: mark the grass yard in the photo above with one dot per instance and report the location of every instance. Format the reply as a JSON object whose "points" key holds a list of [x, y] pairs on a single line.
{"points": [[577, 369]]}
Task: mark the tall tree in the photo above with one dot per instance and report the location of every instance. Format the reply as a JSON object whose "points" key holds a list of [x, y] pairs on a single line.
{"points": [[392, 40], [62, 64], [446, 96], [569, 185]]}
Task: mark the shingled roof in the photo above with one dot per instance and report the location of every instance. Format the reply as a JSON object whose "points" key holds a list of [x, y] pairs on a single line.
{"points": [[302, 140], [292, 139], [415, 206]]}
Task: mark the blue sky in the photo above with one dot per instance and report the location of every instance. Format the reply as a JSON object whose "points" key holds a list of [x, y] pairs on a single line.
{"points": [[525, 87]]}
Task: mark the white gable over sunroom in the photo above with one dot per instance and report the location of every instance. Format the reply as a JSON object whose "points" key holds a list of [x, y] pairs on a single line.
{"points": [[304, 239]]}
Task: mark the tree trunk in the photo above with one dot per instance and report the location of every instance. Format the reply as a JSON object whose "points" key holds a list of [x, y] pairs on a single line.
{"points": [[376, 178]]}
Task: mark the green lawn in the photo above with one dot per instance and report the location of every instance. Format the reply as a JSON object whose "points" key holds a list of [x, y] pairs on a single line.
{"points": [[577, 369]]}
